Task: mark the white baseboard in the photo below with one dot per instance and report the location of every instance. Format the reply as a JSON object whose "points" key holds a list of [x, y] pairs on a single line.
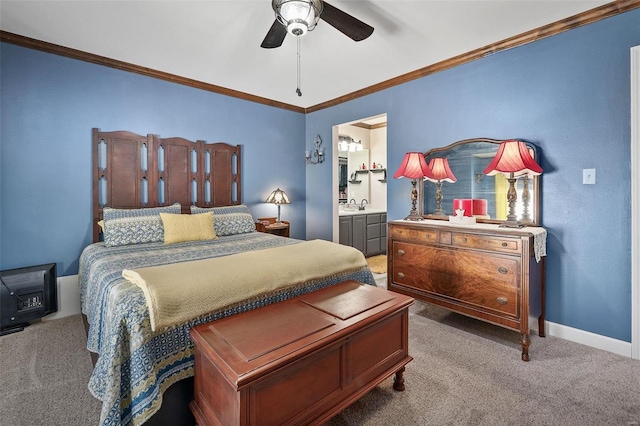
{"points": [[68, 298], [589, 339]]}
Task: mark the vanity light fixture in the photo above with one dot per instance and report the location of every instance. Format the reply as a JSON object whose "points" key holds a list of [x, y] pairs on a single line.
{"points": [[278, 197], [318, 153], [347, 143], [343, 143], [441, 173], [414, 167], [513, 160]]}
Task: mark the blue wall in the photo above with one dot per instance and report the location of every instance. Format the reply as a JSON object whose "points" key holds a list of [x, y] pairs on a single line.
{"points": [[568, 94], [49, 106]]}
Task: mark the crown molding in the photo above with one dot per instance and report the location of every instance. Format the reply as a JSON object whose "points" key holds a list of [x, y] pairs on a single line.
{"points": [[575, 21], [44, 46], [369, 126]]}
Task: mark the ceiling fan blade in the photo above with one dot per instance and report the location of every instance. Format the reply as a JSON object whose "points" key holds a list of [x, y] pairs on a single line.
{"points": [[275, 36], [345, 23]]}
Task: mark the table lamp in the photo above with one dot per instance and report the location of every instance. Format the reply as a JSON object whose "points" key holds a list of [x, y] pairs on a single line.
{"points": [[513, 160], [414, 167], [441, 173], [278, 197]]}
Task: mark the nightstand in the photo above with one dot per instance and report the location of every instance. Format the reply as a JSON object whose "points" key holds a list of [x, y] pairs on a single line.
{"points": [[281, 229]]}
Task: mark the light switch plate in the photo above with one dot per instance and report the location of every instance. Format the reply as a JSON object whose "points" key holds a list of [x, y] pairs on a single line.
{"points": [[588, 176]]}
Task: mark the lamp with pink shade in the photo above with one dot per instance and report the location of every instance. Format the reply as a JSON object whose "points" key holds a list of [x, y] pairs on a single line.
{"points": [[441, 173], [513, 160], [413, 167]]}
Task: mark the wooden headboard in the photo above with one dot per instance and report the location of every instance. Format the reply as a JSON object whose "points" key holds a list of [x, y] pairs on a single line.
{"points": [[133, 171]]}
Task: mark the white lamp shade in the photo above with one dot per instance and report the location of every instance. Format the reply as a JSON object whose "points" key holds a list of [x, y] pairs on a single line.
{"points": [[278, 197]]}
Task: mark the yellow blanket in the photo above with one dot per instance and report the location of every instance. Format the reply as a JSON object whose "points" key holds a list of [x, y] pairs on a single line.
{"points": [[179, 292]]}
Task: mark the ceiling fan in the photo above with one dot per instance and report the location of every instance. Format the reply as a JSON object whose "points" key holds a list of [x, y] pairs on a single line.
{"points": [[297, 17]]}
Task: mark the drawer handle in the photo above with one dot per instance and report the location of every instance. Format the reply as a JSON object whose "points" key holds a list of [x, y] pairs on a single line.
{"points": [[502, 300], [401, 252], [400, 275], [503, 270], [504, 244], [464, 239]]}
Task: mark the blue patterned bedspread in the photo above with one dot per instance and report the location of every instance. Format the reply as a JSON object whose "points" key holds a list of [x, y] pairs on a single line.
{"points": [[135, 365]]}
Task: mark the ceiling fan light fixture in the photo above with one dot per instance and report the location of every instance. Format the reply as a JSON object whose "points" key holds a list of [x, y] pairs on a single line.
{"points": [[298, 16], [297, 28]]}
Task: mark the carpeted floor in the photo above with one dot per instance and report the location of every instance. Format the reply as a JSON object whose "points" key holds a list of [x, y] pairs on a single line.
{"points": [[44, 371], [381, 280], [464, 372], [378, 264]]}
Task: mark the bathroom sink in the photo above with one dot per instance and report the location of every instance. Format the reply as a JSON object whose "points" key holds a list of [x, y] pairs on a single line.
{"points": [[356, 211]]}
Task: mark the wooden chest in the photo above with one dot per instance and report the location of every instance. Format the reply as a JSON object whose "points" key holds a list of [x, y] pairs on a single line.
{"points": [[300, 361], [485, 272]]}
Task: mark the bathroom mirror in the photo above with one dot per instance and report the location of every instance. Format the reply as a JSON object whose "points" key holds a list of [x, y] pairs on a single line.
{"points": [[358, 179], [343, 177], [467, 160]]}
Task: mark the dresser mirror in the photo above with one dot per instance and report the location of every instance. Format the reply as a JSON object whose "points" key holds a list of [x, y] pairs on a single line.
{"points": [[467, 160]]}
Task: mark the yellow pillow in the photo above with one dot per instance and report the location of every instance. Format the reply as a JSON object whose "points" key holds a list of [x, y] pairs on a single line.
{"points": [[187, 227]]}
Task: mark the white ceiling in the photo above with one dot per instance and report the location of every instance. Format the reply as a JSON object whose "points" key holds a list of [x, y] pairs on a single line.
{"points": [[218, 42]]}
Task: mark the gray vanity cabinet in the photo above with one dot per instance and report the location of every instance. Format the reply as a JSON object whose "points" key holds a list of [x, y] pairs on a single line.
{"points": [[360, 232], [376, 234], [345, 226], [366, 232]]}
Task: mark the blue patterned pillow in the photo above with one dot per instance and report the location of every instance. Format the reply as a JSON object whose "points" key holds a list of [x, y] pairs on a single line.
{"points": [[229, 220], [135, 226]]}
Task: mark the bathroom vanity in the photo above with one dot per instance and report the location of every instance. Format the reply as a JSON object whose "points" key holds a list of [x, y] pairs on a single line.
{"points": [[365, 230]]}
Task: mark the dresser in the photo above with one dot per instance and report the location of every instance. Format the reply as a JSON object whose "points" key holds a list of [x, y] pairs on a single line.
{"points": [[483, 271]]}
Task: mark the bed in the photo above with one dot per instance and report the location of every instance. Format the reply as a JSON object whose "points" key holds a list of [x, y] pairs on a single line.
{"points": [[139, 366]]}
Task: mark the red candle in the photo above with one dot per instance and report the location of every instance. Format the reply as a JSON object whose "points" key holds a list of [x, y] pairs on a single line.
{"points": [[465, 204], [479, 206], [471, 206]]}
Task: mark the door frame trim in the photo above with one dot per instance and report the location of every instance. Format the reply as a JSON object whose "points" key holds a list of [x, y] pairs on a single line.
{"points": [[635, 202]]}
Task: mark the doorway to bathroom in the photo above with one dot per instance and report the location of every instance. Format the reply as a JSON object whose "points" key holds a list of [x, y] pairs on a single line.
{"points": [[359, 189]]}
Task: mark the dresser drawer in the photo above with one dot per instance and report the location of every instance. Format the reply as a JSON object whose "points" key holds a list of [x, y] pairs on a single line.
{"points": [[482, 271], [413, 234], [488, 243], [485, 282]]}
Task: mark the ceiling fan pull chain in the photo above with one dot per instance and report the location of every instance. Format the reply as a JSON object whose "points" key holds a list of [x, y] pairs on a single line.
{"points": [[298, 91]]}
